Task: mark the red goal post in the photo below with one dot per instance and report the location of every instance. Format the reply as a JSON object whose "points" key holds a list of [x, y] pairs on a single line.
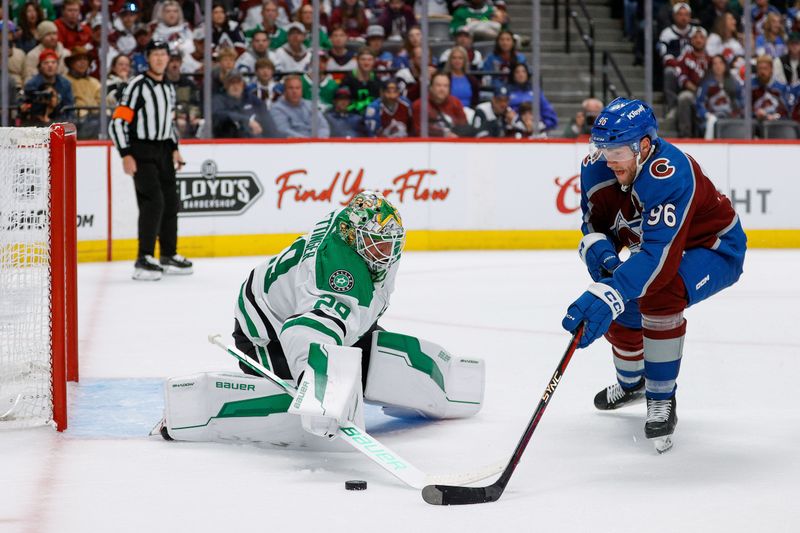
{"points": [[64, 269], [38, 275]]}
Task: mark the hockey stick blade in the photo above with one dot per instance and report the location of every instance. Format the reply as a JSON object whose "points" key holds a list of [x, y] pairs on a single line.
{"points": [[452, 495], [455, 495]]}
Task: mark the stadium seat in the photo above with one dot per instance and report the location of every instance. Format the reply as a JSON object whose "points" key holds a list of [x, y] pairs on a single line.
{"points": [[438, 30], [781, 129], [355, 45], [392, 47], [731, 128], [484, 47], [437, 48]]}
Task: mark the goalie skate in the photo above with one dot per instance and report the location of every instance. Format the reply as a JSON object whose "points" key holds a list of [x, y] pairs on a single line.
{"points": [[161, 429], [661, 421]]}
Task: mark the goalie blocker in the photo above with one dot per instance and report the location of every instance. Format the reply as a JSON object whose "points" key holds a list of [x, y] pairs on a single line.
{"points": [[407, 376]]}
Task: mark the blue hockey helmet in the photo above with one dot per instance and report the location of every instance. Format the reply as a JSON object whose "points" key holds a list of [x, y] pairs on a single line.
{"points": [[622, 123]]}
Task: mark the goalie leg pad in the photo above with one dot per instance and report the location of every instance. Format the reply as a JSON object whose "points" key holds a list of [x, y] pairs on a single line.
{"points": [[231, 407], [222, 406], [329, 392], [411, 374]]}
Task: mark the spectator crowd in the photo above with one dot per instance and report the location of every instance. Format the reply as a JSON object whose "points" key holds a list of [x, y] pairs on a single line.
{"points": [[700, 61], [370, 61]]}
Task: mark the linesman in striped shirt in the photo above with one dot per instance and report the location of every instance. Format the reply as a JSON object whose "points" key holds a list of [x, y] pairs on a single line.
{"points": [[143, 130]]}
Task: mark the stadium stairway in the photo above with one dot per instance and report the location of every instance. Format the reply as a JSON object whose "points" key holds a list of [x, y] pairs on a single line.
{"points": [[565, 77]]}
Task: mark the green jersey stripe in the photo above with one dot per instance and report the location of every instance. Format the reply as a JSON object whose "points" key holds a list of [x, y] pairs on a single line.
{"points": [[250, 295], [313, 324], [262, 354], [251, 327], [339, 323]]}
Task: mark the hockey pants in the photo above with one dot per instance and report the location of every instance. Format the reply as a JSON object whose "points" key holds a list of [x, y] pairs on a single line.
{"points": [[647, 339]]}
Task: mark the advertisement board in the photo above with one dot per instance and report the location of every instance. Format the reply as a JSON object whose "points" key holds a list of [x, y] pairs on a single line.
{"points": [[241, 198]]}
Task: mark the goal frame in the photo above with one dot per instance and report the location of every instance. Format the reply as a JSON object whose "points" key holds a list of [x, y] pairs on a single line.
{"points": [[64, 267]]}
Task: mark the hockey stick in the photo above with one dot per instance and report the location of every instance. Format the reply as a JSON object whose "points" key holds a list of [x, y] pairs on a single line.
{"points": [[366, 444], [453, 495]]}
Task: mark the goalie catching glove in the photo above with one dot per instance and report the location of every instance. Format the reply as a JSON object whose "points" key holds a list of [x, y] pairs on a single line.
{"points": [[329, 392]]}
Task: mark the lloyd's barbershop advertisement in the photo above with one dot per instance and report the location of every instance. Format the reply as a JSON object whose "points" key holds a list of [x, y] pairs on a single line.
{"points": [[211, 192], [254, 189], [455, 189]]}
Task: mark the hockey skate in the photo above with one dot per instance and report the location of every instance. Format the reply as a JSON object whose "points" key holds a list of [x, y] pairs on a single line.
{"points": [[147, 269], [614, 396], [161, 429], [176, 264], [662, 418]]}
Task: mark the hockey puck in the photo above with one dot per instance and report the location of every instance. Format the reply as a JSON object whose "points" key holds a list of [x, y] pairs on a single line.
{"points": [[355, 484]]}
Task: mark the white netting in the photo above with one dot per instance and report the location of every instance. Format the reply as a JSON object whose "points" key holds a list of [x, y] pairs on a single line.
{"points": [[25, 362]]}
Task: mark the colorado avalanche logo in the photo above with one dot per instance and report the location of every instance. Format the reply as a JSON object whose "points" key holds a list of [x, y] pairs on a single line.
{"points": [[660, 169], [720, 104], [628, 232], [768, 102]]}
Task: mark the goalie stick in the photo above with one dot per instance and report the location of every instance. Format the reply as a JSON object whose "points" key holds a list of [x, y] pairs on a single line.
{"points": [[366, 444], [442, 494]]}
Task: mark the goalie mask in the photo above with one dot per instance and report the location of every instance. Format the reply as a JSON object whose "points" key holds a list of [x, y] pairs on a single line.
{"points": [[371, 225]]}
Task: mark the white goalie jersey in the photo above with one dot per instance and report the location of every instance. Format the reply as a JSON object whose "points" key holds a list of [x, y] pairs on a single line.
{"points": [[316, 290], [308, 312]]}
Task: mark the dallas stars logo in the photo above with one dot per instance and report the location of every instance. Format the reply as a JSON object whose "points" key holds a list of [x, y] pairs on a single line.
{"points": [[341, 281]]}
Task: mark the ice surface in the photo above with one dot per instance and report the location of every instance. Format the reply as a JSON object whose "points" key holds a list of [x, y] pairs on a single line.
{"points": [[733, 468]]}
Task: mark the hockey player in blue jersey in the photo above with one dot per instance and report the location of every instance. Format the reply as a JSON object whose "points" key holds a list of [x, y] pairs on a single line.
{"points": [[685, 241]]}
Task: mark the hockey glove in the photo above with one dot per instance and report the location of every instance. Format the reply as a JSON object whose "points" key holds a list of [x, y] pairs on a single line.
{"points": [[599, 255], [598, 307]]}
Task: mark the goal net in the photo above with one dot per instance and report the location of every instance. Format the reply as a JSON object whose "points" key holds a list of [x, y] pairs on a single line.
{"points": [[37, 274]]}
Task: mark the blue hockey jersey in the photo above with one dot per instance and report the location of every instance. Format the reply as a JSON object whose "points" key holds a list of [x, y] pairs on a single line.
{"points": [[672, 206]]}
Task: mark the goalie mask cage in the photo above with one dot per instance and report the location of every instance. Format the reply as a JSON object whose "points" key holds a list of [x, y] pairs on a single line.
{"points": [[38, 271]]}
